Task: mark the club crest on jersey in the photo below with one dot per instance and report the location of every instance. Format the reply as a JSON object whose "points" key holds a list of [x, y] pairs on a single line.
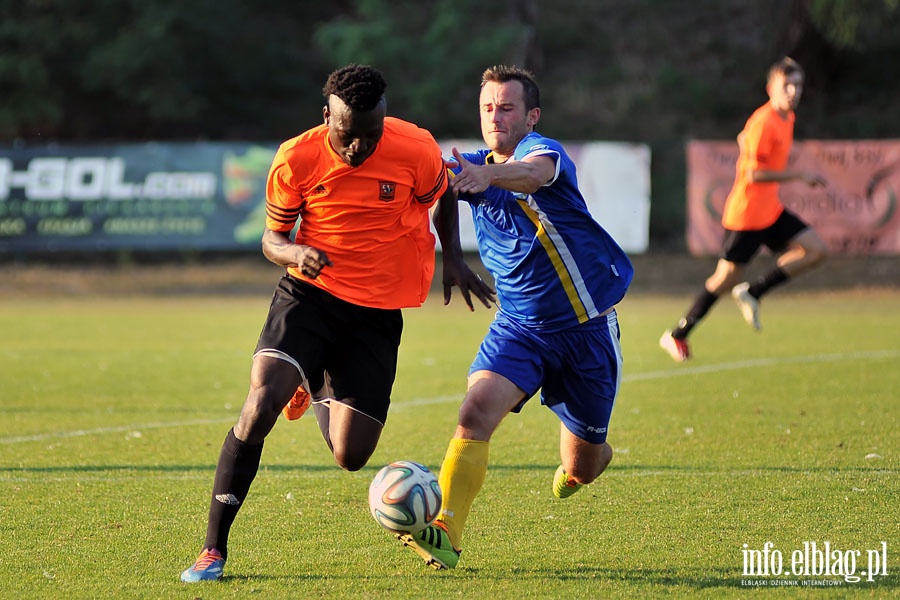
{"points": [[386, 190]]}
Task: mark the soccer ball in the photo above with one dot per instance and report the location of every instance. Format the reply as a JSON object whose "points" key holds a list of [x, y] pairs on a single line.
{"points": [[405, 497]]}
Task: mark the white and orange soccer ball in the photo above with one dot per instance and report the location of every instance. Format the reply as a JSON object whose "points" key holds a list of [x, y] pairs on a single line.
{"points": [[404, 497]]}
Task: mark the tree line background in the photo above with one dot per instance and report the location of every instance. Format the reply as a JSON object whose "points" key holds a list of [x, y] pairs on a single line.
{"points": [[651, 71]]}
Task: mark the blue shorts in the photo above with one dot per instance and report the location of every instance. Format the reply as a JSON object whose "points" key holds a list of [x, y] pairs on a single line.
{"points": [[578, 370]]}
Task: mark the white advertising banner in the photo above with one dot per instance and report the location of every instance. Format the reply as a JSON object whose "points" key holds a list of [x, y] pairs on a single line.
{"points": [[614, 178]]}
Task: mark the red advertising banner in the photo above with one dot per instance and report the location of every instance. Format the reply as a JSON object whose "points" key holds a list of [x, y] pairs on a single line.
{"points": [[855, 213]]}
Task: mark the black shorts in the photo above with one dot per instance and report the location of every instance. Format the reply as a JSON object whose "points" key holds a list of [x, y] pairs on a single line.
{"points": [[355, 345], [741, 246]]}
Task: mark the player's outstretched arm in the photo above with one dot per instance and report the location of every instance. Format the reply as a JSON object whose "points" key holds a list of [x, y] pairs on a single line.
{"points": [[456, 271], [525, 176], [808, 177]]}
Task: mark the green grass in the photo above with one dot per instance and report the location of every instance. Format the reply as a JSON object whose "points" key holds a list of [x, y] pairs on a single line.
{"points": [[112, 412]]}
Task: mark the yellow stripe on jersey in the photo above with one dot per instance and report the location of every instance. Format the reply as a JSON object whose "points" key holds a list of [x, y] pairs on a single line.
{"points": [[562, 261]]}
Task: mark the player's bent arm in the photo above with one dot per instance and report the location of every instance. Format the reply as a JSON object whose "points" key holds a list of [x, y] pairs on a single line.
{"points": [[526, 176], [455, 270], [279, 249], [445, 217]]}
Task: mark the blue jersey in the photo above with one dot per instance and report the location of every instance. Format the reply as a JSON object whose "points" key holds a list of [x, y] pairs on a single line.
{"points": [[553, 265]]}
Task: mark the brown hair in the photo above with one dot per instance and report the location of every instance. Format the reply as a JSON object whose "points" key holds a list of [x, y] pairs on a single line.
{"points": [[786, 66], [504, 73]]}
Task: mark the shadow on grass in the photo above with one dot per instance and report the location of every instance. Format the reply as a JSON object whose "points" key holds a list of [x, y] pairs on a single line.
{"points": [[689, 578], [695, 578], [159, 468], [749, 469], [637, 469]]}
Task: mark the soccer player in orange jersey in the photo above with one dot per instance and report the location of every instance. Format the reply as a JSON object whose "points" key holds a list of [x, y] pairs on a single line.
{"points": [[357, 190], [754, 215]]}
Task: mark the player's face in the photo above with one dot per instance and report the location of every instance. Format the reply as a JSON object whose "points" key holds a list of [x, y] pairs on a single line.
{"points": [[785, 91], [504, 120], [354, 134]]}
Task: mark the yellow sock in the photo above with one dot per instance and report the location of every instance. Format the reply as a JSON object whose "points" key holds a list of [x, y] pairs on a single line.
{"points": [[461, 477]]}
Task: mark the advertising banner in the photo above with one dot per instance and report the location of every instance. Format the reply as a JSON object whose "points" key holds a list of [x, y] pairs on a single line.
{"points": [[211, 196], [138, 196], [855, 213]]}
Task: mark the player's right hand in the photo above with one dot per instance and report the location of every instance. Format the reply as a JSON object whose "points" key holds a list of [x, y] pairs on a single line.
{"points": [[311, 261]]}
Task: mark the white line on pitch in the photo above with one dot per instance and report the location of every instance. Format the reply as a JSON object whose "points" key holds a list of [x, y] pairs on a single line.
{"points": [[83, 432], [624, 473], [406, 405], [761, 362]]}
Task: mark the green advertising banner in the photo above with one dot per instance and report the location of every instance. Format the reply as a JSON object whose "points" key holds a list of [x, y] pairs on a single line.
{"points": [[153, 196]]}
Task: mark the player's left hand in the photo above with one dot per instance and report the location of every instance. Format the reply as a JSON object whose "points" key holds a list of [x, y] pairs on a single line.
{"points": [[458, 273]]}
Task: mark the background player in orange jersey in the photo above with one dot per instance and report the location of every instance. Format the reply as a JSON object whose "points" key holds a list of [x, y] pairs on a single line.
{"points": [[358, 190], [754, 215]]}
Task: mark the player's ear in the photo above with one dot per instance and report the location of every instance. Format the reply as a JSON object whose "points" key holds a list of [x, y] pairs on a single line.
{"points": [[534, 115], [325, 114]]}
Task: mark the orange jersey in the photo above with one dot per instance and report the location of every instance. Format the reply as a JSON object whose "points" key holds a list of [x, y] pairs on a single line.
{"points": [[765, 143], [372, 220]]}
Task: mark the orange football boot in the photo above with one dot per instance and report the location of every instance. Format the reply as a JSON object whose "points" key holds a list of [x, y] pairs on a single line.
{"points": [[297, 405]]}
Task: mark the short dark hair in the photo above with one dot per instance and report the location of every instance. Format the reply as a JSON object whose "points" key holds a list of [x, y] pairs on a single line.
{"points": [[361, 87], [786, 66], [504, 73]]}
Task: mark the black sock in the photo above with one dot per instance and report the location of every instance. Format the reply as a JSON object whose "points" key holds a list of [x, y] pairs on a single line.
{"points": [[702, 303], [238, 464], [765, 283]]}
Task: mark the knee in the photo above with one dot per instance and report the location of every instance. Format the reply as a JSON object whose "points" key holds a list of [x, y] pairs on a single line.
{"points": [[477, 422], [350, 460], [586, 471], [469, 416], [585, 476], [726, 275], [593, 475], [264, 401], [817, 255], [258, 415]]}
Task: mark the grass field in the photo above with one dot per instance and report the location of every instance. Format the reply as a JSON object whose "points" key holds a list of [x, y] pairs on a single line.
{"points": [[112, 412]]}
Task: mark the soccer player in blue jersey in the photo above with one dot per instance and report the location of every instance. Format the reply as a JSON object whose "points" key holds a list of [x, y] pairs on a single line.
{"points": [[558, 276]]}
